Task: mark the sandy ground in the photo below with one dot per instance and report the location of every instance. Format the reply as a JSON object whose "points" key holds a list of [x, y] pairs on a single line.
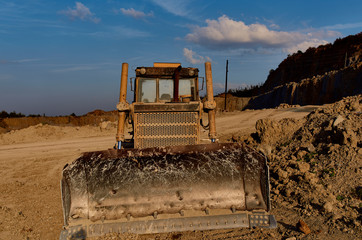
{"points": [[30, 173]]}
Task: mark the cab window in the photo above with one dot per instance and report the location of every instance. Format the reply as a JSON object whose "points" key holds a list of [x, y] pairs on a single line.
{"points": [[187, 87], [147, 90], [165, 90]]}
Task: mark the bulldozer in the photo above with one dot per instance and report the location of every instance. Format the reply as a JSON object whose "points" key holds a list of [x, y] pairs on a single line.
{"points": [[163, 177]]}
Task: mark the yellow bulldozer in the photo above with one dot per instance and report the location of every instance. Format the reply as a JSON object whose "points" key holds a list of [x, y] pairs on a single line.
{"points": [[162, 178]]}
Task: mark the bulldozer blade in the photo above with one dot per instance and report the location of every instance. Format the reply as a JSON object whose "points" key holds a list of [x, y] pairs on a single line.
{"points": [[153, 190], [170, 225]]}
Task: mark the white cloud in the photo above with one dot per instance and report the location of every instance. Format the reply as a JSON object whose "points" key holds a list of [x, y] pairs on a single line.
{"points": [[135, 14], [345, 26], [80, 11], [319, 34], [194, 58], [19, 61], [176, 7], [225, 33], [111, 32], [271, 24], [81, 67], [274, 26], [76, 69], [120, 32], [305, 45]]}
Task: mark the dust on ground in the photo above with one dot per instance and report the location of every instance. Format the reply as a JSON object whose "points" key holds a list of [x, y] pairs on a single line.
{"points": [[45, 133], [314, 157]]}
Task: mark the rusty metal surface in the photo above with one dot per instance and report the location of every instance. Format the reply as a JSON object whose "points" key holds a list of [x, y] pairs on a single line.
{"points": [[165, 72], [210, 100], [114, 184], [166, 64], [229, 221], [167, 107], [122, 100], [157, 129], [176, 82]]}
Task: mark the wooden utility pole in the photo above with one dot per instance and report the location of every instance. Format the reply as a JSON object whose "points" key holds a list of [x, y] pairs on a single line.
{"points": [[226, 82]]}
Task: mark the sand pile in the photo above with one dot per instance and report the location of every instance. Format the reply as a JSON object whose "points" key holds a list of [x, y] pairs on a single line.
{"points": [[316, 162], [44, 132]]}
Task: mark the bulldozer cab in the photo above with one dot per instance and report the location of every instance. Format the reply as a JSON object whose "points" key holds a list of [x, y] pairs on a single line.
{"points": [[166, 107], [157, 84]]}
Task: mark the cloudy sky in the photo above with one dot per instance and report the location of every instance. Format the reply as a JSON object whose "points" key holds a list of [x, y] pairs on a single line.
{"points": [[60, 57]]}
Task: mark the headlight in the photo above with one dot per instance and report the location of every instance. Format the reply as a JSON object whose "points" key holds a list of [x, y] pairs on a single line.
{"points": [[143, 70], [191, 72]]}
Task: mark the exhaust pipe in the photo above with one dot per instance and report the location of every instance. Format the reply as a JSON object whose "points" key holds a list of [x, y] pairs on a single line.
{"points": [[122, 99], [210, 100], [176, 97]]}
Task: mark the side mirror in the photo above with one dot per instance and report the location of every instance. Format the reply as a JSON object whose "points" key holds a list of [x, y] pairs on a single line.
{"points": [[202, 85], [130, 81]]}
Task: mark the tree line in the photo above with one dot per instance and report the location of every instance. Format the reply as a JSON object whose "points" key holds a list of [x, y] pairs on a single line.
{"points": [[13, 114], [249, 91]]}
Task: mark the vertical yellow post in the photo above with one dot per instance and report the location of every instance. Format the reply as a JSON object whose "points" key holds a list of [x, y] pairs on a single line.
{"points": [[210, 98], [122, 98]]}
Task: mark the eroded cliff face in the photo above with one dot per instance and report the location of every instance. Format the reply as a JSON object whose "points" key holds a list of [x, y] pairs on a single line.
{"points": [[320, 89], [316, 61], [320, 75]]}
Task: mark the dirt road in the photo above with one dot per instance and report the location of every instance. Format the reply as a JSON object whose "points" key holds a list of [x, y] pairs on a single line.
{"points": [[30, 204]]}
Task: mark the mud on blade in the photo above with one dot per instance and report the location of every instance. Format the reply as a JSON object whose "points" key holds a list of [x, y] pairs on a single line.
{"points": [[131, 185]]}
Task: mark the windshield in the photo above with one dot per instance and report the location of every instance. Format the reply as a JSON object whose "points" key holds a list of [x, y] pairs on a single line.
{"points": [[161, 90], [166, 90]]}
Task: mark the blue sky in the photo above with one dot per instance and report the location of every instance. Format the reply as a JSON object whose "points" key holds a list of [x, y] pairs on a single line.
{"points": [[60, 57]]}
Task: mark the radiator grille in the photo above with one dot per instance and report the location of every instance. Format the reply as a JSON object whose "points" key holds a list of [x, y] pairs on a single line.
{"points": [[159, 129]]}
